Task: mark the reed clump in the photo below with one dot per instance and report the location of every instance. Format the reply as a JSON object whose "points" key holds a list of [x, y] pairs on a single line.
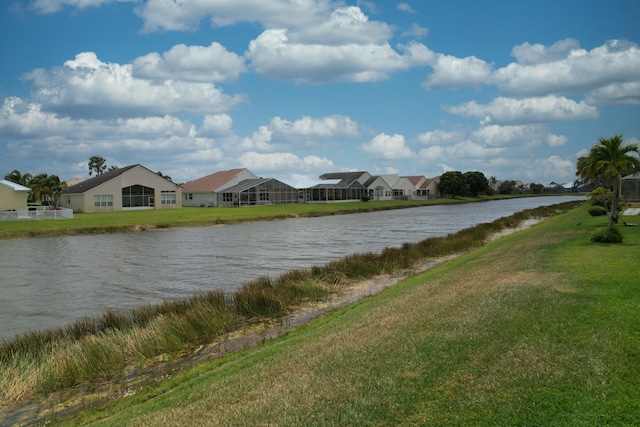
{"points": [[103, 348]]}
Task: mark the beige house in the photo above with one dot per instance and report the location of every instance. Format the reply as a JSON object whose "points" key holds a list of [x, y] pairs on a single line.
{"points": [[378, 188], [401, 187], [13, 197], [205, 191], [129, 188], [424, 188]]}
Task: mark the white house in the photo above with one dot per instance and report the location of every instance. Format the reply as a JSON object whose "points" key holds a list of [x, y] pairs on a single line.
{"points": [[401, 187], [378, 188]]}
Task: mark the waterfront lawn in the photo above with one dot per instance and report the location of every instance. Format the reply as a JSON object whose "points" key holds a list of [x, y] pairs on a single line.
{"points": [[536, 328], [104, 222]]}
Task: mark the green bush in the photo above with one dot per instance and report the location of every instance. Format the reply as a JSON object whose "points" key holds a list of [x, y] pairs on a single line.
{"points": [[606, 235], [597, 210]]}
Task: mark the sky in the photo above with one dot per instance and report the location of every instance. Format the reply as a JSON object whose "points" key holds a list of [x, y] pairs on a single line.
{"points": [[292, 89]]}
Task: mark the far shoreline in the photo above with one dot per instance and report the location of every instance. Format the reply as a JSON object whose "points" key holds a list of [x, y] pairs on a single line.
{"points": [[190, 217]]}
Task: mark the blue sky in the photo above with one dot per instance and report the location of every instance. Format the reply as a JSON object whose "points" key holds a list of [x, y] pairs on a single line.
{"points": [[297, 88]]}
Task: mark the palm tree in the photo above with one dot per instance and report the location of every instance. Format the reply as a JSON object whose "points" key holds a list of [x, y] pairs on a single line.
{"points": [[18, 178], [609, 160], [46, 188], [97, 164]]}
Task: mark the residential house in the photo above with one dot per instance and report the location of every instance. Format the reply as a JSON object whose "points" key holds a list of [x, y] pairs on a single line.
{"points": [[13, 197], [401, 187], [423, 188], [131, 187], [205, 191], [259, 191], [338, 187], [378, 188]]}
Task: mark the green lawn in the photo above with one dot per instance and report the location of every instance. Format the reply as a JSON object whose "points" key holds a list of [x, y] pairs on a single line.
{"points": [[536, 328]]}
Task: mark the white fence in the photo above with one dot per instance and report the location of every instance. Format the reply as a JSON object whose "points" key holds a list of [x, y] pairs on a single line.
{"points": [[35, 215]]}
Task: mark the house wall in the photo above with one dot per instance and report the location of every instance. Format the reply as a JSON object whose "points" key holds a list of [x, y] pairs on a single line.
{"points": [[433, 189], [72, 201], [405, 185], [380, 190], [200, 199], [11, 199]]}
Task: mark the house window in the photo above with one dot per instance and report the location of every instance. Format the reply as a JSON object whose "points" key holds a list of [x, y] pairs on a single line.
{"points": [[137, 196], [227, 197], [168, 197], [264, 195], [102, 201]]}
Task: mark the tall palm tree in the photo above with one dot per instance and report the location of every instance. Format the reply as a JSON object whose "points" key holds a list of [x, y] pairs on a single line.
{"points": [[610, 159], [97, 164]]}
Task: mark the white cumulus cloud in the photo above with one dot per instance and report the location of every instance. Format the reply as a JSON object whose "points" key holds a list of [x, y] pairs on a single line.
{"points": [[504, 110], [388, 147], [211, 63], [161, 15], [288, 162], [450, 72], [86, 86], [569, 69]]}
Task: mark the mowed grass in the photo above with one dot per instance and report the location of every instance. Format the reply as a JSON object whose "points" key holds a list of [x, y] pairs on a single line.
{"points": [[536, 328], [105, 222]]}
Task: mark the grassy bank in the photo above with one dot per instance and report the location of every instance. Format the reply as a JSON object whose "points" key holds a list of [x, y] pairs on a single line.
{"points": [[536, 328], [118, 346], [112, 222]]}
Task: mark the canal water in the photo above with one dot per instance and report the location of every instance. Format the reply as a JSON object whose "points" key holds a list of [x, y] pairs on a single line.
{"points": [[49, 282]]}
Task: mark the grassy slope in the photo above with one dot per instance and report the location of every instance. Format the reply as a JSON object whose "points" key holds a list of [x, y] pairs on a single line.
{"points": [[537, 328]]}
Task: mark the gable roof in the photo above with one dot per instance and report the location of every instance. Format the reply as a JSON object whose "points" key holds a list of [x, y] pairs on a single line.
{"points": [[250, 183], [416, 180], [346, 178], [13, 185], [90, 183], [375, 178], [213, 182]]}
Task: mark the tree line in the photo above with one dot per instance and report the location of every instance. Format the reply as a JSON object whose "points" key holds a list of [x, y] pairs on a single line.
{"points": [[474, 183]]}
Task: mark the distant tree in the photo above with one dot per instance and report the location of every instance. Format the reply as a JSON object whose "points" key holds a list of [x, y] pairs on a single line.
{"points": [[19, 178], [167, 177], [536, 188], [608, 160], [478, 183], [97, 164], [507, 187], [112, 168], [453, 183]]}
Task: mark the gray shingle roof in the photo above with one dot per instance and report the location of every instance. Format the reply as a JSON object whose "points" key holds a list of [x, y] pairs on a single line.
{"points": [[94, 182]]}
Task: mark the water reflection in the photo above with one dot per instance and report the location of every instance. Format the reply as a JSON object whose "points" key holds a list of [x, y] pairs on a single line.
{"points": [[50, 282]]}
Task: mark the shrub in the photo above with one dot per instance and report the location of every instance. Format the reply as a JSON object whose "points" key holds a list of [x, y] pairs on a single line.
{"points": [[597, 210], [606, 235]]}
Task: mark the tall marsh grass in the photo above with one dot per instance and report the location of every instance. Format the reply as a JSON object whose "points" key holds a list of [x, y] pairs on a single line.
{"points": [[106, 347]]}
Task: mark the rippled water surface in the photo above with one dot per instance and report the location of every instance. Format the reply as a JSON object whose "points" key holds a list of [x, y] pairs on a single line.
{"points": [[50, 282]]}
